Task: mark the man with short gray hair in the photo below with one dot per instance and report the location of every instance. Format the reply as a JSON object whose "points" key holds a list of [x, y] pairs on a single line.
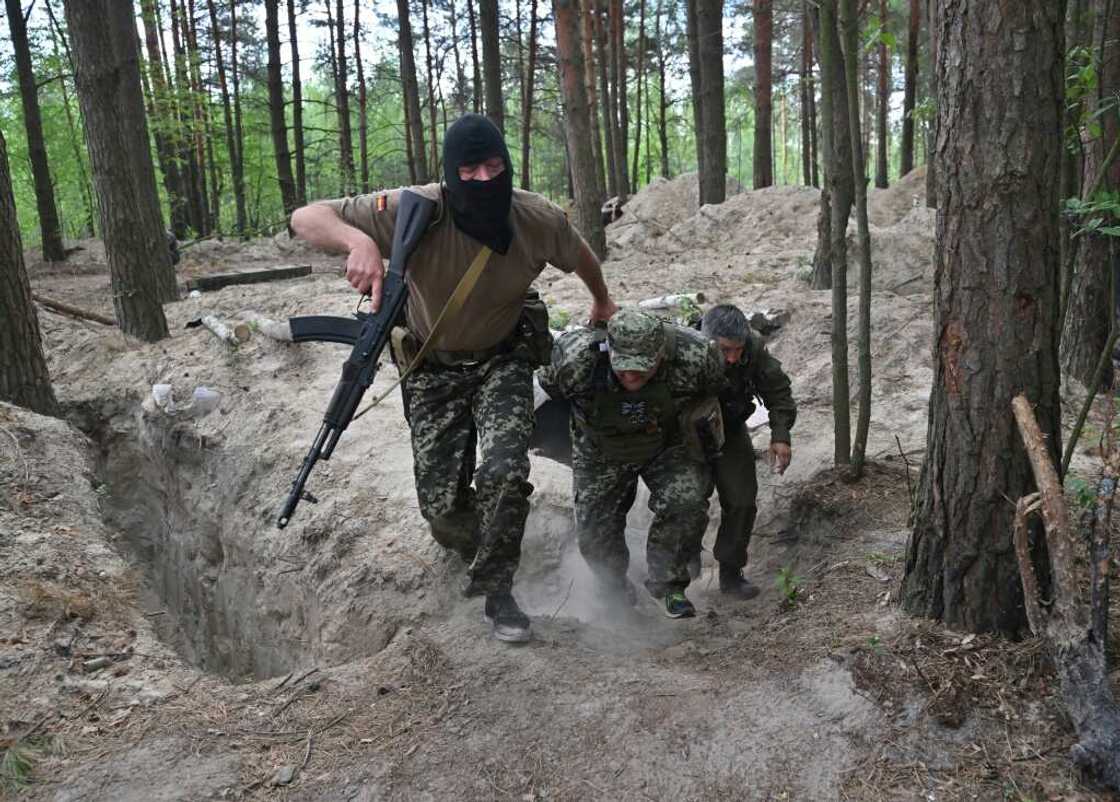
{"points": [[751, 372]]}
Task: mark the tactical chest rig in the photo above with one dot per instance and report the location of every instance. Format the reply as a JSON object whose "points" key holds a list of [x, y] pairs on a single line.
{"points": [[631, 427]]}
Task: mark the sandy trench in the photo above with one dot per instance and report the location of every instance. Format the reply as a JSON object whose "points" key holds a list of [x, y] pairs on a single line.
{"points": [[337, 660]]}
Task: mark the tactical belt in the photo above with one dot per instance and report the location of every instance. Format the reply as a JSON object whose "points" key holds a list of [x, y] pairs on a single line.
{"points": [[467, 359]]}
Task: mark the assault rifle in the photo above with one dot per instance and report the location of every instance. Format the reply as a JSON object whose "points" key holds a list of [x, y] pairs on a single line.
{"points": [[368, 333]]}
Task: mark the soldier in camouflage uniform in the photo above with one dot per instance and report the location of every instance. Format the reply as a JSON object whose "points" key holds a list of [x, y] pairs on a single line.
{"points": [[627, 387], [474, 389], [751, 372]]}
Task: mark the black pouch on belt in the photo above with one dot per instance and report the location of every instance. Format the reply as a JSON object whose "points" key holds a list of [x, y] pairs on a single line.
{"points": [[533, 331]]}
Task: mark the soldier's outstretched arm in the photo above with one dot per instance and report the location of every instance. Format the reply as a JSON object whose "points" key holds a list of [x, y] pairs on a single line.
{"points": [[590, 272], [323, 228]]}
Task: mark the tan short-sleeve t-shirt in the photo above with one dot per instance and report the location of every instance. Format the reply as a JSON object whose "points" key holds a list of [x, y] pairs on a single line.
{"points": [[541, 234]]}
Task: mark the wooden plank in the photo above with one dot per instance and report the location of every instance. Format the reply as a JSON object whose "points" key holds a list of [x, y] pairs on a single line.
{"points": [[216, 281]]}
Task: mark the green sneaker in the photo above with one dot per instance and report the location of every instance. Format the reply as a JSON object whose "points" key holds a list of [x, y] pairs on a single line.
{"points": [[677, 605]]}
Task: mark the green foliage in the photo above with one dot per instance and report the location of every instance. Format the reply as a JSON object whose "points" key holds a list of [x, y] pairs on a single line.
{"points": [[1084, 494], [790, 585], [558, 319], [1098, 215], [18, 760]]}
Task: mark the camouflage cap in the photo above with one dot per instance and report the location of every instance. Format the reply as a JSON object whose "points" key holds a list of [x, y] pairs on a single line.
{"points": [[635, 340]]}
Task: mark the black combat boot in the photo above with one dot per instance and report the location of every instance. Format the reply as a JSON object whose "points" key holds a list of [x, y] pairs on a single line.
{"points": [[506, 620], [733, 583]]}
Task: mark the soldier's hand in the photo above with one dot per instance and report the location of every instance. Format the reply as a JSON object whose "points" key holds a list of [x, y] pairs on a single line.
{"points": [[602, 311], [365, 271], [780, 454]]}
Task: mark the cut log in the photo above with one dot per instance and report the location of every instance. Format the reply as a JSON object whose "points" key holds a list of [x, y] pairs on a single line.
{"points": [[672, 301], [72, 311], [234, 334], [219, 280], [276, 329], [1078, 654]]}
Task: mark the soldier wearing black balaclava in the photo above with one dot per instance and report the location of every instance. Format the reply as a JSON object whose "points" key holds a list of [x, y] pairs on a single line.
{"points": [[473, 391]]}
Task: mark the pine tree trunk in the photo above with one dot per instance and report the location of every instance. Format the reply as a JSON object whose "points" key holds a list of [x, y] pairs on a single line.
{"points": [[1073, 156], [49, 227], [803, 86], [204, 135], [910, 87], [412, 95], [57, 38], [577, 122], [849, 22], [527, 99], [639, 91], [934, 77], [995, 308], [184, 135], [434, 132], [342, 93], [696, 80], [607, 97], [881, 180], [232, 145], [763, 95], [587, 39], [1091, 307], [24, 379], [709, 26], [297, 108], [277, 123], [622, 130], [477, 99], [165, 125], [662, 101], [492, 62], [363, 111], [103, 33], [460, 98]]}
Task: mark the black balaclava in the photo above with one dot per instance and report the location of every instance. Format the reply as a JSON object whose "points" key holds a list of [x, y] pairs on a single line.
{"points": [[480, 209]]}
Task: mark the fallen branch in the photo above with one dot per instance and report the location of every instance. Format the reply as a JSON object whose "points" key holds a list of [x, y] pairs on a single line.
{"points": [[236, 335], [672, 301], [72, 311], [1078, 654], [275, 329]]}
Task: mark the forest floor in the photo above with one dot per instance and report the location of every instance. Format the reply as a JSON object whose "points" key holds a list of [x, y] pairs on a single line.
{"points": [[161, 640]]}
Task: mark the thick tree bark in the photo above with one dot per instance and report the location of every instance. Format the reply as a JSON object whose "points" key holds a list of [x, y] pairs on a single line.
{"points": [[24, 379], [103, 33], [50, 230], [527, 96], [1091, 305], [995, 310], [713, 134], [577, 122], [232, 143], [934, 73], [492, 62], [363, 111], [411, 94], [884, 100], [763, 94], [297, 107], [910, 90], [277, 123]]}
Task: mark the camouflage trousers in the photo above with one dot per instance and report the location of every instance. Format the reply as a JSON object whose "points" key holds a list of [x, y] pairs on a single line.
{"points": [[737, 482], [605, 491], [454, 412]]}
